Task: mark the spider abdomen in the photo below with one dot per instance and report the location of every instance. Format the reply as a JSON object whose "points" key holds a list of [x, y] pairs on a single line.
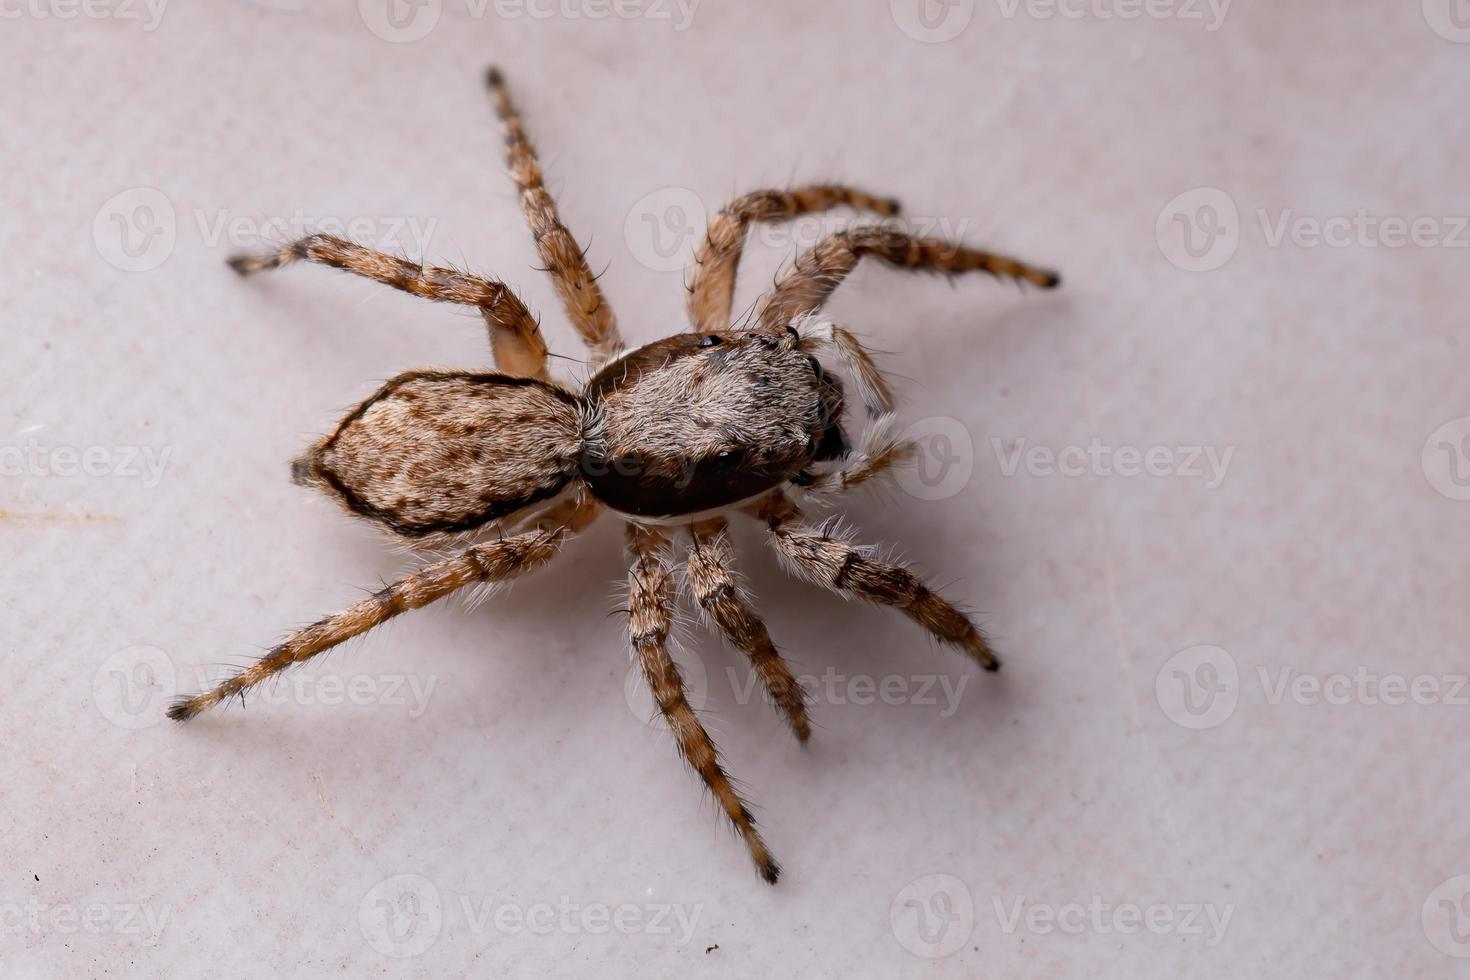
{"points": [[696, 422], [435, 452]]}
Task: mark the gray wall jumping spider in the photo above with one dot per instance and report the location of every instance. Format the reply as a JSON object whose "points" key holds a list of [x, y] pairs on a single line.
{"points": [[678, 433]]}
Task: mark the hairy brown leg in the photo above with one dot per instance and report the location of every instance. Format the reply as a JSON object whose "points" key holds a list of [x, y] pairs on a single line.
{"points": [[819, 556], [712, 580], [822, 268], [650, 619], [575, 284], [880, 450], [515, 337], [491, 562], [872, 387], [712, 281]]}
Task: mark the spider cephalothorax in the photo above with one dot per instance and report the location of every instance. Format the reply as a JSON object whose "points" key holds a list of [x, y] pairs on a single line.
{"points": [[672, 436]]}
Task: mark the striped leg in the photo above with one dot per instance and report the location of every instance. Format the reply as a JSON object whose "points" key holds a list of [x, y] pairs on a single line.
{"points": [[493, 562], [515, 337], [820, 556], [881, 450], [712, 282], [713, 581], [822, 268], [650, 618], [574, 281]]}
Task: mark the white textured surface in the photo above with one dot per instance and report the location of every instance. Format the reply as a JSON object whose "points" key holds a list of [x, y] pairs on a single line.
{"points": [[256, 839]]}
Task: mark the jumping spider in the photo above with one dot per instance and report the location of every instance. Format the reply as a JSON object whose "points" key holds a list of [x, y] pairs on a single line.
{"points": [[678, 433]]}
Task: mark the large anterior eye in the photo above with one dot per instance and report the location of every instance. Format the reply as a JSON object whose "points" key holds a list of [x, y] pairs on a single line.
{"points": [[727, 459], [709, 341]]}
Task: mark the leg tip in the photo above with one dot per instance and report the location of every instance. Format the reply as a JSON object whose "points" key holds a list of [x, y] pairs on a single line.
{"points": [[182, 709], [242, 264], [889, 206], [493, 77], [1047, 279], [993, 666], [770, 871]]}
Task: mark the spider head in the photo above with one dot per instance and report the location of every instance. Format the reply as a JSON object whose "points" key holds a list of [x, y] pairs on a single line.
{"points": [[699, 421]]}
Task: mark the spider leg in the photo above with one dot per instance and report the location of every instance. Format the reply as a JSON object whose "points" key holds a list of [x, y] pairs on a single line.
{"points": [[650, 618], [515, 336], [712, 579], [492, 562], [873, 389], [881, 449], [575, 284], [822, 268], [818, 555], [711, 283]]}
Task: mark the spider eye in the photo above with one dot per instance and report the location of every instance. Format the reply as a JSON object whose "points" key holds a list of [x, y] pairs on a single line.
{"points": [[728, 459], [709, 341]]}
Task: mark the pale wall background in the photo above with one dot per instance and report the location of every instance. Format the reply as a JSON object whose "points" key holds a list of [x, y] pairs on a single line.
{"points": [[1158, 768]]}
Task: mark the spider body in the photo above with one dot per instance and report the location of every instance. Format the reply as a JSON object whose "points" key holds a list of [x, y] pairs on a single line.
{"points": [[696, 422], [726, 419]]}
